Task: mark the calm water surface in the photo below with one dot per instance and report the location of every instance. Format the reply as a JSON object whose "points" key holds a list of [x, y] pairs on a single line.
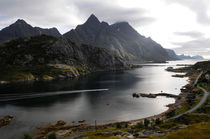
{"points": [[105, 97]]}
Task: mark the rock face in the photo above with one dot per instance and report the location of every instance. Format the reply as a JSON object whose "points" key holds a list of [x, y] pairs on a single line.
{"points": [[6, 120], [49, 50], [120, 38], [21, 29], [172, 54], [47, 57]]}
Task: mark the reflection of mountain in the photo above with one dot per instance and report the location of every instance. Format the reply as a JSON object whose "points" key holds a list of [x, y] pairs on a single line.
{"points": [[120, 37], [93, 81]]}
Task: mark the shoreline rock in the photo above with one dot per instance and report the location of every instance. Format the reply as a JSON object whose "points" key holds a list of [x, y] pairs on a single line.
{"points": [[6, 120], [4, 82], [154, 95]]}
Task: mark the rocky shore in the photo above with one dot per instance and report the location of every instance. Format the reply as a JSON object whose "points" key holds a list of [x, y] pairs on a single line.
{"points": [[154, 95], [6, 120], [63, 130], [80, 129]]}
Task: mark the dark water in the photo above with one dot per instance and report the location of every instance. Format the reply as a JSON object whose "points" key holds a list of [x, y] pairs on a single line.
{"points": [[105, 97]]}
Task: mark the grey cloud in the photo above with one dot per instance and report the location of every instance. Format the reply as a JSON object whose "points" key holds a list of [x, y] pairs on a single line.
{"points": [[195, 47], [109, 11], [44, 13], [67, 14], [192, 34], [199, 7]]}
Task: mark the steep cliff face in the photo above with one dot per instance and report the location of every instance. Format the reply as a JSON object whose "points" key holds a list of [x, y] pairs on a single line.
{"points": [[34, 55], [120, 38], [172, 54], [22, 29]]}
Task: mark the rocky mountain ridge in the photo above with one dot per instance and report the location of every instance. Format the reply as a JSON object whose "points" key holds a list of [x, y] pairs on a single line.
{"points": [[120, 38], [22, 29], [44, 56]]}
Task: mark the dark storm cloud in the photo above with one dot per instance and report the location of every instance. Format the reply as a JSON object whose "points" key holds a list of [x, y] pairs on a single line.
{"points": [[199, 7], [110, 12], [195, 47], [192, 34]]}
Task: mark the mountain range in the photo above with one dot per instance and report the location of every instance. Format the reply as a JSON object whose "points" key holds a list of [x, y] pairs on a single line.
{"points": [[120, 38], [22, 29], [182, 56], [173, 55]]}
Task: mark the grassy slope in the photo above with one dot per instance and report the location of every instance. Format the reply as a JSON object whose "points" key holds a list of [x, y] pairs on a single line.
{"points": [[194, 131], [15, 73], [198, 122]]}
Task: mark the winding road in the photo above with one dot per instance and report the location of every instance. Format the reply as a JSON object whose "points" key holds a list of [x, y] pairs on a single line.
{"points": [[202, 101]]}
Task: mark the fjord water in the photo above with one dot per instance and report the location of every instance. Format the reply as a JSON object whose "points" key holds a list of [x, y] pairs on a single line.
{"points": [[105, 97]]}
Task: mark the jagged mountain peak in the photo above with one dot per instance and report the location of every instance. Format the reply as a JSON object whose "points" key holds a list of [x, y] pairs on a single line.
{"points": [[92, 20], [20, 21], [121, 23], [120, 37], [21, 28]]}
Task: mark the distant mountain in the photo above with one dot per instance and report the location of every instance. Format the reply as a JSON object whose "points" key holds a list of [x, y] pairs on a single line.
{"points": [[22, 29], [190, 57], [46, 56], [120, 38], [172, 54]]}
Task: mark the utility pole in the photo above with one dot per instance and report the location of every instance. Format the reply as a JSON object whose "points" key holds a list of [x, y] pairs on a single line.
{"points": [[95, 125]]}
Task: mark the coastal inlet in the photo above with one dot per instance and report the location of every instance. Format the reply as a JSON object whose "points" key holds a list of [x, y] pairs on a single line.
{"points": [[115, 104]]}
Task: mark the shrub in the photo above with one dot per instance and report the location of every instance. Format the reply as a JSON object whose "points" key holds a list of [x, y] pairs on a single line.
{"points": [[126, 125], [27, 136], [52, 136], [139, 125], [168, 124], [118, 125], [146, 122], [158, 121], [171, 114]]}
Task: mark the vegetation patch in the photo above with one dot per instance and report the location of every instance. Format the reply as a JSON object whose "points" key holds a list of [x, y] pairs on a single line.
{"points": [[195, 131]]}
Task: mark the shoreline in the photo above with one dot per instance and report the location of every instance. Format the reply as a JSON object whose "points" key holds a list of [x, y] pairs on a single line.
{"points": [[44, 131], [71, 129], [162, 116], [75, 74]]}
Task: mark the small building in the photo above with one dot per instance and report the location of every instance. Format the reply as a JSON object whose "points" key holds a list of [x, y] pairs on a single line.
{"points": [[207, 76]]}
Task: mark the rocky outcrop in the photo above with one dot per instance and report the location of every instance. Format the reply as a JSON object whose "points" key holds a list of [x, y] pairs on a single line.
{"points": [[120, 38], [6, 120], [172, 54], [48, 57], [22, 29], [154, 95]]}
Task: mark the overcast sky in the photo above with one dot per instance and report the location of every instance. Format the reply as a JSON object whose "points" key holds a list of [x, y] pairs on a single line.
{"points": [[182, 25]]}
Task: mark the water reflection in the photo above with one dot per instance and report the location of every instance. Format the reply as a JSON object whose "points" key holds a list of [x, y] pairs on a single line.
{"points": [[115, 104]]}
